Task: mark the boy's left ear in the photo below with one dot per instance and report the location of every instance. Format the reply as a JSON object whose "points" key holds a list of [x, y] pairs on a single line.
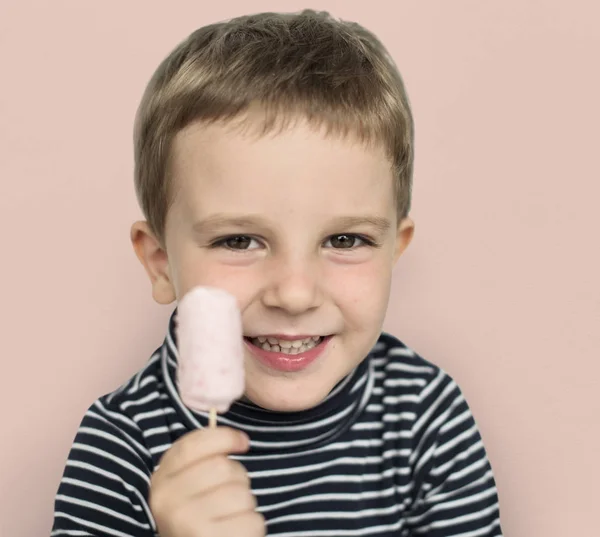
{"points": [[404, 235]]}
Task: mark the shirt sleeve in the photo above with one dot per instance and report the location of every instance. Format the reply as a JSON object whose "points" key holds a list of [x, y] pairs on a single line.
{"points": [[104, 488], [455, 493]]}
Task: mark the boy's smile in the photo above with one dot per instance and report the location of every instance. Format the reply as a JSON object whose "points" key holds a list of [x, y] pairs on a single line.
{"points": [[285, 353], [299, 226]]}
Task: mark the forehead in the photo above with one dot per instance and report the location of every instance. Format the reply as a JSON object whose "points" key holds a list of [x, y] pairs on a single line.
{"points": [[231, 167]]}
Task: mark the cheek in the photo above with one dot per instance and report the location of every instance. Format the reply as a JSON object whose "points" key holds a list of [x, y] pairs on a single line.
{"points": [[196, 269], [362, 287]]}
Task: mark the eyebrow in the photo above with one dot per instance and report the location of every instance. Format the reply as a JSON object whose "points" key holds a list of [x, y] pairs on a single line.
{"points": [[380, 224], [216, 221]]}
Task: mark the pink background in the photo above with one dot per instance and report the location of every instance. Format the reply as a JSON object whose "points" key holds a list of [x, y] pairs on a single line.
{"points": [[500, 286]]}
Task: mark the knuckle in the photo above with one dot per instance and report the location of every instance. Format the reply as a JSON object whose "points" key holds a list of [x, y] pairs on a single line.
{"points": [[154, 481], [249, 499], [161, 502], [252, 503], [180, 521], [186, 447], [220, 465], [233, 437], [230, 438], [242, 497], [157, 506], [256, 525], [182, 451], [238, 470]]}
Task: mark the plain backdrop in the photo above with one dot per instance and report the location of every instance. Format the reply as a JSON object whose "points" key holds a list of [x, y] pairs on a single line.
{"points": [[500, 286]]}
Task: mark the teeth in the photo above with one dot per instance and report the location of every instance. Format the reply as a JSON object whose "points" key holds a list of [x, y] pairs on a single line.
{"points": [[286, 346]]}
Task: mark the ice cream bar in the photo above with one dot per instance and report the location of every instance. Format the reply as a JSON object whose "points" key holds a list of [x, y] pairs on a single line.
{"points": [[210, 371]]}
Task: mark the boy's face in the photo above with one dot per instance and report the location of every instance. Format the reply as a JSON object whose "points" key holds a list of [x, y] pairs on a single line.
{"points": [[302, 229]]}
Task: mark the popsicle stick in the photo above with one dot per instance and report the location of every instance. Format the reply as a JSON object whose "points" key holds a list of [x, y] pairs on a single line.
{"points": [[212, 418]]}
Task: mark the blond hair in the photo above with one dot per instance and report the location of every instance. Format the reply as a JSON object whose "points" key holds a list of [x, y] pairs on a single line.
{"points": [[335, 74]]}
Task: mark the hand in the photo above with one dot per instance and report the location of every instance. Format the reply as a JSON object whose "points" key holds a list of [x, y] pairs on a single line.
{"points": [[198, 491]]}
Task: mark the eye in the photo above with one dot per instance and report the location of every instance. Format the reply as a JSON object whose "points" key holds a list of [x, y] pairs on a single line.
{"points": [[236, 242], [346, 241]]}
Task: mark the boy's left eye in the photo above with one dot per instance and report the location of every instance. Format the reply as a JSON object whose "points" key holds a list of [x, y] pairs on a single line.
{"points": [[346, 241]]}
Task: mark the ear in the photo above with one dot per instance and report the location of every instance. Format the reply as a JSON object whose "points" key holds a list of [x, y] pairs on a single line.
{"points": [[404, 235], [154, 259]]}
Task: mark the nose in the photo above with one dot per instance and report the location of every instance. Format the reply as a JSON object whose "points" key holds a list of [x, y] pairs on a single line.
{"points": [[293, 286]]}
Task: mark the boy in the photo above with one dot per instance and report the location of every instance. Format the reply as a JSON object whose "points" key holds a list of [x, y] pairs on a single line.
{"points": [[274, 158]]}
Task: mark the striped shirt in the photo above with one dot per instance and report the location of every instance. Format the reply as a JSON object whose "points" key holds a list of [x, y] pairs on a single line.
{"points": [[392, 451]]}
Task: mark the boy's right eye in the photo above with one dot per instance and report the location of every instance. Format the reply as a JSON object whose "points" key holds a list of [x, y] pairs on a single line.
{"points": [[236, 242]]}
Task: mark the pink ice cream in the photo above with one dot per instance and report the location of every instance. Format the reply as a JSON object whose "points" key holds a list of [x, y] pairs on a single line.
{"points": [[211, 350]]}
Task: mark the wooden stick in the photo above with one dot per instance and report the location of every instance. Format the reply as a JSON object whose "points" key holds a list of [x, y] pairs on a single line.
{"points": [[212, 418]]}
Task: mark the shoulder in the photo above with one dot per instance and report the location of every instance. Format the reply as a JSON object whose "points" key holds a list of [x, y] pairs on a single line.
{"points": [[402, 371], [141, 388], [397, 360], [106, 480], [112, 426]]}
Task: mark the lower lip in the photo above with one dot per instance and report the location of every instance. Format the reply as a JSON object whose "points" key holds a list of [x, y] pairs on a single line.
{"points": [[288, 362]]}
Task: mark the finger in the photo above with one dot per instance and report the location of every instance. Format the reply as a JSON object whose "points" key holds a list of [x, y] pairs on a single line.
{"points": [[249, 524], [200, 478], [201, 444], [226, 501]]}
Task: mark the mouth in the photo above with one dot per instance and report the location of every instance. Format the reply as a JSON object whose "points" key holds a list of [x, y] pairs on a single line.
{"points": [[286, 345], [287, 354]]}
